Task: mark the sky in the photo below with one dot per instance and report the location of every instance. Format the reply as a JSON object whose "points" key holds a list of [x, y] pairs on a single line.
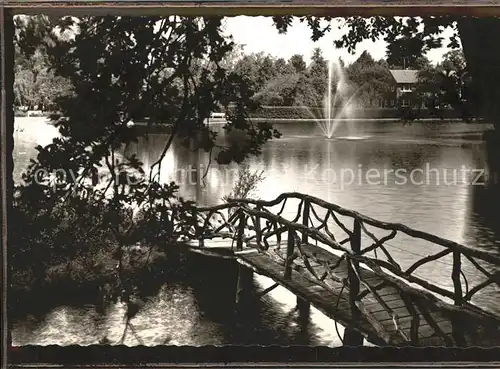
{"points": [[259, 35]]}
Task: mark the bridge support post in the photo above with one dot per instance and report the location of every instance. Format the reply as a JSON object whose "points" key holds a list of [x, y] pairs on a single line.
{"points": [[258, 231], [290, 246], [305, 220], [351, 336], [197, 230], [244, 286], [304, 309], [457, 323], [241, 230]]}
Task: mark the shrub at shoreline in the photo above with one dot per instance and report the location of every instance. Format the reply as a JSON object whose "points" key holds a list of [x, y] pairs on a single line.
{"points": [[310, 113], [302, 112], [88, 276]]}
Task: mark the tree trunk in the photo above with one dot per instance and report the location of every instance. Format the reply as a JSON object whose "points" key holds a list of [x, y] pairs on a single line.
{"points": [[482, 52]]}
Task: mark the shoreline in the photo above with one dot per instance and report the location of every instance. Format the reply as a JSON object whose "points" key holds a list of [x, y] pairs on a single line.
{"points": [[79, 282], [356, 119], [219, 122], [309, 120]]}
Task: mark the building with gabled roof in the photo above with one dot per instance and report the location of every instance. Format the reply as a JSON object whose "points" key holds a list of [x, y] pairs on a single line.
{"points": [[405, 81], [405, 76]]}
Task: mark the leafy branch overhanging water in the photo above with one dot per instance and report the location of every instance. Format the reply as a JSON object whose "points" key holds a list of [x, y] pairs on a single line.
{"points": [[121, 68]]}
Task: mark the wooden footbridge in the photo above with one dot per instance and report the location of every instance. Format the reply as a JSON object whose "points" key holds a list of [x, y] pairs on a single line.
{"points": [[361, 272]]}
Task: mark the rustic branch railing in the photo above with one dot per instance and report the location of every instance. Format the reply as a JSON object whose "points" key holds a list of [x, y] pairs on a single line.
{"points": [[249, 215]]}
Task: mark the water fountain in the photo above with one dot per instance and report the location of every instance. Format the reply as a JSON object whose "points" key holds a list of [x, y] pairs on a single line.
{"points": [[338, 103]]}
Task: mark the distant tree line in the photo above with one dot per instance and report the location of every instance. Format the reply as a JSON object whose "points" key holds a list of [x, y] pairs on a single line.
{"points": [[274, 81], [448, 84], [293, 82], [36, 85]]}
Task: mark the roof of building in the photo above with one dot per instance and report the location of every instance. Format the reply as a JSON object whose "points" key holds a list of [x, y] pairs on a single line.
{"points": [[405, 75]]}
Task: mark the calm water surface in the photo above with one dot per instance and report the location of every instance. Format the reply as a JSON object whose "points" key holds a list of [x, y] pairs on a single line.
{"points": [[438, 199]]}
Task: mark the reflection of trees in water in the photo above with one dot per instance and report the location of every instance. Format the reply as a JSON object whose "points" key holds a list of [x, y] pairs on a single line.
{"points": [[485, 206], [33, 308], [261, 321], [265, 322], [484, 216], [483, 230]]}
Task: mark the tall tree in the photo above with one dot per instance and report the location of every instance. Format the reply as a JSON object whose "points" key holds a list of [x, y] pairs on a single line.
{"points": [[283, 68], [298, 63], [365, 59], [35, 82], [281, 89], [317, 74], [120, 67], [372, 80], [404, 51], [448, 84], [454, 60], [257, 68]]}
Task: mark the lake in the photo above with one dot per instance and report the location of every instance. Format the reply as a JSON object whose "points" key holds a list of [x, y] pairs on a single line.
{"points": [[410, 174]]}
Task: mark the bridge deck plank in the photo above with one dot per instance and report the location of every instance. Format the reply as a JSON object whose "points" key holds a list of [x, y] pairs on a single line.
{"points": [[322, 299], [334, 301]]}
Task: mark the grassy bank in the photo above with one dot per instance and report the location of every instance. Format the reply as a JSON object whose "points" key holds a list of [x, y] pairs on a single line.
{"points": [[82, 278], [301, 113], [305, 113]]}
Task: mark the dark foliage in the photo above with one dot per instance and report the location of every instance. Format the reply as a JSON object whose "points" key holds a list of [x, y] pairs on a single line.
{"points": [[81, 194]]}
